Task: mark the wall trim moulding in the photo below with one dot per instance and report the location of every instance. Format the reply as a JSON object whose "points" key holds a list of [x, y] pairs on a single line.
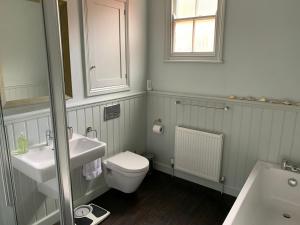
{"points": [[81, 104], [222, 100], [90, 101]]}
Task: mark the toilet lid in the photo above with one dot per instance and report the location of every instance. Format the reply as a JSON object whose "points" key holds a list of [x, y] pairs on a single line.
{"points": [[128, 162]]}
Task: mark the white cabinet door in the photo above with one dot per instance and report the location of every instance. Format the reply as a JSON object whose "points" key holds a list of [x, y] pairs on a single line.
{"points": [[105, 29]]}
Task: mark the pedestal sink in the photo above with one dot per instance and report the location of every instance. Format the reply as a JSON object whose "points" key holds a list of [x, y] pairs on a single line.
{"points": [[38, 163]]}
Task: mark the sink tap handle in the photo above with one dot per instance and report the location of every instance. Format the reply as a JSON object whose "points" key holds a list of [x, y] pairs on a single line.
{"points": [[49, 137]]}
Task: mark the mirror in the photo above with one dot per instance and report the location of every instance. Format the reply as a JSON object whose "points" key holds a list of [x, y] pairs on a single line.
{"points": [[23, 53]]}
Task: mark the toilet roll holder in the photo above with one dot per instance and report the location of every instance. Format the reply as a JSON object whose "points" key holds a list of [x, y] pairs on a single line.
{"points": [[158, 127], [90, 130], [157, 122]]}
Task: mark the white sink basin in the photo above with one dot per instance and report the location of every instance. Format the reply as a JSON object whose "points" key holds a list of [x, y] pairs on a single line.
{"points": [[38, 163]]}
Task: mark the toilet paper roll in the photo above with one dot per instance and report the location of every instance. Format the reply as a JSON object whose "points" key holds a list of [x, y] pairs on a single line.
{"points": [[158, 129]]}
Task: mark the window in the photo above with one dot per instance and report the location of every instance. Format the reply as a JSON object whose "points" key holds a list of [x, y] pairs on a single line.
{"points": [[106, 55], [195, 30]]}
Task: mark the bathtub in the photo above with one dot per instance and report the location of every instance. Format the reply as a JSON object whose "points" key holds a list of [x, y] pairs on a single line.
{"points": [[267, 198]]}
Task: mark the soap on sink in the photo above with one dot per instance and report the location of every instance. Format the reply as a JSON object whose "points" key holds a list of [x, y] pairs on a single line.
{"points": [[22, 145]]}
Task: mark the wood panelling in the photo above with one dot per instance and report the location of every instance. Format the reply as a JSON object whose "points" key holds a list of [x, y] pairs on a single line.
{"points": [[126, 132], [253, 131]]}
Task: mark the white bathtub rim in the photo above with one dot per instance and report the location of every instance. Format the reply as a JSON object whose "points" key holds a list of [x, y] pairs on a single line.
{"points": [[245, 190]]}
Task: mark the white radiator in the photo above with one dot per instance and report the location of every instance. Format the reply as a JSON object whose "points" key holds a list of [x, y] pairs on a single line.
{"points": [[198, 153]]}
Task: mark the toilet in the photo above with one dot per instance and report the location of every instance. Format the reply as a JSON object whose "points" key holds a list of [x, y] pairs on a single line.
{"points": [[125, 171]]}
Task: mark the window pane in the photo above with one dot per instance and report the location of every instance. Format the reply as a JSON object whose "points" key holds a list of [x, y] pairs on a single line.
{"points": [[184, 8], [183, 36], [206, 7], [204, 40]]}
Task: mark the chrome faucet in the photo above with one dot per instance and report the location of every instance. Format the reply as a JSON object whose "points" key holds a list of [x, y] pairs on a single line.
{"points": [[49, 137], [290, 166], [70, 132]]}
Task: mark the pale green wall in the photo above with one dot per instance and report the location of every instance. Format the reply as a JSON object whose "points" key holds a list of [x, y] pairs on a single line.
{"points": [[261, 53]]}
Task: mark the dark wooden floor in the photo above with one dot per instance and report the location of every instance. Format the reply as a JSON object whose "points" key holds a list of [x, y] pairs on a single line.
{"points": [[163, 200]]}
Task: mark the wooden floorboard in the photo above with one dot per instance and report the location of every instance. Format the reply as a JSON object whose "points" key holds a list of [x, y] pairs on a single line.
{"points": [[163, 200]]}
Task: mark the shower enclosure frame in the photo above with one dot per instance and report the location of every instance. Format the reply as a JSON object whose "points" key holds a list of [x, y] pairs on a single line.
{"points": [[59, 121]]}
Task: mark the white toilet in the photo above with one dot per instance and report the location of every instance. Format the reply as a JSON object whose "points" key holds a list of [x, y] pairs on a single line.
{"points": [[125, 171]]}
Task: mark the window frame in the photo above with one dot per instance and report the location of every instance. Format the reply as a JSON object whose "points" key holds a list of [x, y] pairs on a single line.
{"points": [[210, 57]]}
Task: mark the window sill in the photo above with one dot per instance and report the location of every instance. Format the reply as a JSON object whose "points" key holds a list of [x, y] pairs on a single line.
{"points": [[194, 60], [204, 58]]}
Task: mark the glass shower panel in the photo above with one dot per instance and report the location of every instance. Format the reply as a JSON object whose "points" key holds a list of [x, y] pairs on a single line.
{"points": [[7, 209], [28, 146]]}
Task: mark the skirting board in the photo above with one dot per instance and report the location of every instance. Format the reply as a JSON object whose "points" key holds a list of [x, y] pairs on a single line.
{"points": [[162, 167], [54, 217]]}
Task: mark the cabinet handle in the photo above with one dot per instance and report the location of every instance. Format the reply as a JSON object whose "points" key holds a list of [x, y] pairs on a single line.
{"points": [[92, 67]]}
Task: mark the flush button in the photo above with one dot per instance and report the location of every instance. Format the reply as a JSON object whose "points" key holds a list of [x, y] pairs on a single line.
{"points": [[112, 112]]}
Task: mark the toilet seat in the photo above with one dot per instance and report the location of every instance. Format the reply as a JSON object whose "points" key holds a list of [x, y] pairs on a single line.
{"points": [[127, 162]]}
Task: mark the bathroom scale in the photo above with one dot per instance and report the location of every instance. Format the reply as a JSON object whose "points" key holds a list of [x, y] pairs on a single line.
{"points": [[90, 214]]}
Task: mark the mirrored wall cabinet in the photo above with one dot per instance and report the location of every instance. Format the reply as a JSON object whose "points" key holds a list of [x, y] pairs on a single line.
{"points": [[105, 46], [23, 53]]}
